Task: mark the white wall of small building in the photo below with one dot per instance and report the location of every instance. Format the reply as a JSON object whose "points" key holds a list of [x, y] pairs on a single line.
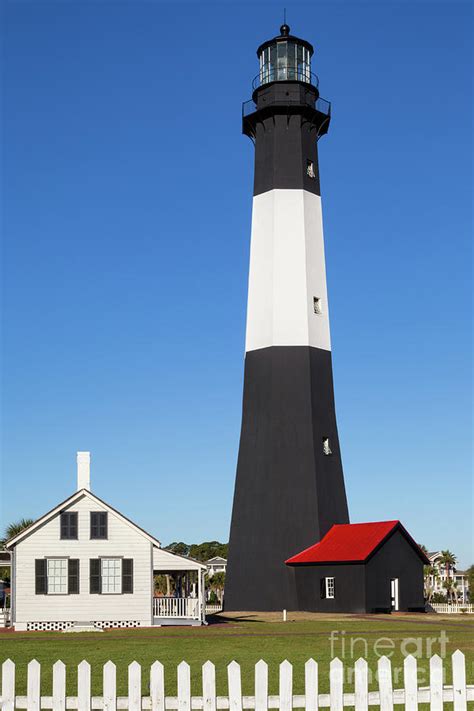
{"points": [[123, 540]]}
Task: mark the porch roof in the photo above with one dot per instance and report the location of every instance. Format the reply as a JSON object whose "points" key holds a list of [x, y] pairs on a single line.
{"points": [[166, 561]]}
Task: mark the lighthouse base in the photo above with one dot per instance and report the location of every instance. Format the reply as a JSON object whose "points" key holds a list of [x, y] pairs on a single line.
{"points": [[289, 486]]}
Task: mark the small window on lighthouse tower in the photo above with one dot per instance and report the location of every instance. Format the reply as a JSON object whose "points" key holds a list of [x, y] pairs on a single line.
{"points": [[310, 169], [326, 446], [317, 305]]}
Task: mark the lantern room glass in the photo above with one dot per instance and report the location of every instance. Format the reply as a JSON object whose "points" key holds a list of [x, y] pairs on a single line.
{"points": [[285, 60]]}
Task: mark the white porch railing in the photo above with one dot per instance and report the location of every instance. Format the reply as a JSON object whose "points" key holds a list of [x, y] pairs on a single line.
{"points": [[4, 616], [358, 696], [450, 608], [183, 607]]}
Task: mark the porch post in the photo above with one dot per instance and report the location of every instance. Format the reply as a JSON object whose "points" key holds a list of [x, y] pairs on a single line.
{"points": [[199, 594], [202, 595]]}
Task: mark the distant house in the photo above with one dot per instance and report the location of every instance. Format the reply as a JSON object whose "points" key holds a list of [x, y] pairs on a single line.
{"points": [[84, 564], [216, 565], [361, 567], [435, 581]]}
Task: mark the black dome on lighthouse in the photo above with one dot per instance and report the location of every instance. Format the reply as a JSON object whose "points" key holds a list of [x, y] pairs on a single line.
{"points": [[285, 36]]}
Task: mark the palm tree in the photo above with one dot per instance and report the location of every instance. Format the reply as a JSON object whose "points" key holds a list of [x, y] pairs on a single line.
{"points": [[216, 583], [13, 529], [450, 586], [449, 560], [431, 575]]}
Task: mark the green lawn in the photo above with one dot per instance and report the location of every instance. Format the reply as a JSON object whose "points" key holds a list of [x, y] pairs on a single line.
{"points": [[246, 639]]}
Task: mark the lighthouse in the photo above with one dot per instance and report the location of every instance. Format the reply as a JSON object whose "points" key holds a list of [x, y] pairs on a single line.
{"points": [[289, 487]]}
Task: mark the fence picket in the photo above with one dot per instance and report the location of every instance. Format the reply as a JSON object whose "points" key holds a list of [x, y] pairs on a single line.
{"points": [[459, 681], [311, 685], [8, 685], [410, 677], [436, 683], [109, 686], [261, 686], [286, 686], [33, 686], [84, 686], [235, 687], [336, 685], [384, 669], [208, 686], [134, 687], [157, 687], [361, 688], [59, 686], [184, 687]]}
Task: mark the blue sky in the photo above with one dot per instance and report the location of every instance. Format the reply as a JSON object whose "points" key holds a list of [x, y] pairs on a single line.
{"points": [[127, 191]]}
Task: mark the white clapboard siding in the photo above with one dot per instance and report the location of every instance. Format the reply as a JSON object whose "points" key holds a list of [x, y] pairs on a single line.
{"points": [[123, 540], [386, 698]]}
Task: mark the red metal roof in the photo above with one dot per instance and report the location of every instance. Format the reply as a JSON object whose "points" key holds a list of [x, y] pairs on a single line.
{"points": [[350, 542]]}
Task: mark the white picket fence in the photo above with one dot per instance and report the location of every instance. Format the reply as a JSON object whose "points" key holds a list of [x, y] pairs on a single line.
{"points": [[212, 609], [451, 608], [385, 697]]}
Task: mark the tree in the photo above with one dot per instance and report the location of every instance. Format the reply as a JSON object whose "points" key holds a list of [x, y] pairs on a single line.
{"points": [[199, 551], [431, 575], [451, 586], [208, 549], [13, 529], [163, 584], [449, 560], [178, 548], [216, 583]]}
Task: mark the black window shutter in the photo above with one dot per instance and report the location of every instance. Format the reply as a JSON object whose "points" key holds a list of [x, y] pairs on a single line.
{"points": [[73, 576], [99, 524], [323, 588], [95, 578], [127, 575], [64, 525], [73, 525], [41, 579], [334, 586], [69, 525]]}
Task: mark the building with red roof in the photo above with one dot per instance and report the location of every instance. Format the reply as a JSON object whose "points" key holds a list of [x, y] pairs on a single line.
{"points": [[361, 567]]}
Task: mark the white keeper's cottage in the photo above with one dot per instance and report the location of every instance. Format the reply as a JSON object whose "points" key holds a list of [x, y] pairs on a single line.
{"points": [[85, 564]]}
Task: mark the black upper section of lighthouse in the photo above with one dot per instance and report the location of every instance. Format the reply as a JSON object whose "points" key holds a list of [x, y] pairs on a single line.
{"points": [[286, 116]]}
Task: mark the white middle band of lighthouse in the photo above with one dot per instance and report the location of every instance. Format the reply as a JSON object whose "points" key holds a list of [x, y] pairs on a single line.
{"points": [[287, 297]]}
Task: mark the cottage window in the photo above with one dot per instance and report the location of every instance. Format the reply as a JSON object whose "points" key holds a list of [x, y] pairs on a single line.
{"points": [[68, 525], [57, 576], [99, 525], [330, 588], [111, 574]]}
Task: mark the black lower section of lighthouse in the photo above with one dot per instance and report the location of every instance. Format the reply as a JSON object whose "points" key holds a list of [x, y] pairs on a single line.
{"points": [[288, 491]]}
